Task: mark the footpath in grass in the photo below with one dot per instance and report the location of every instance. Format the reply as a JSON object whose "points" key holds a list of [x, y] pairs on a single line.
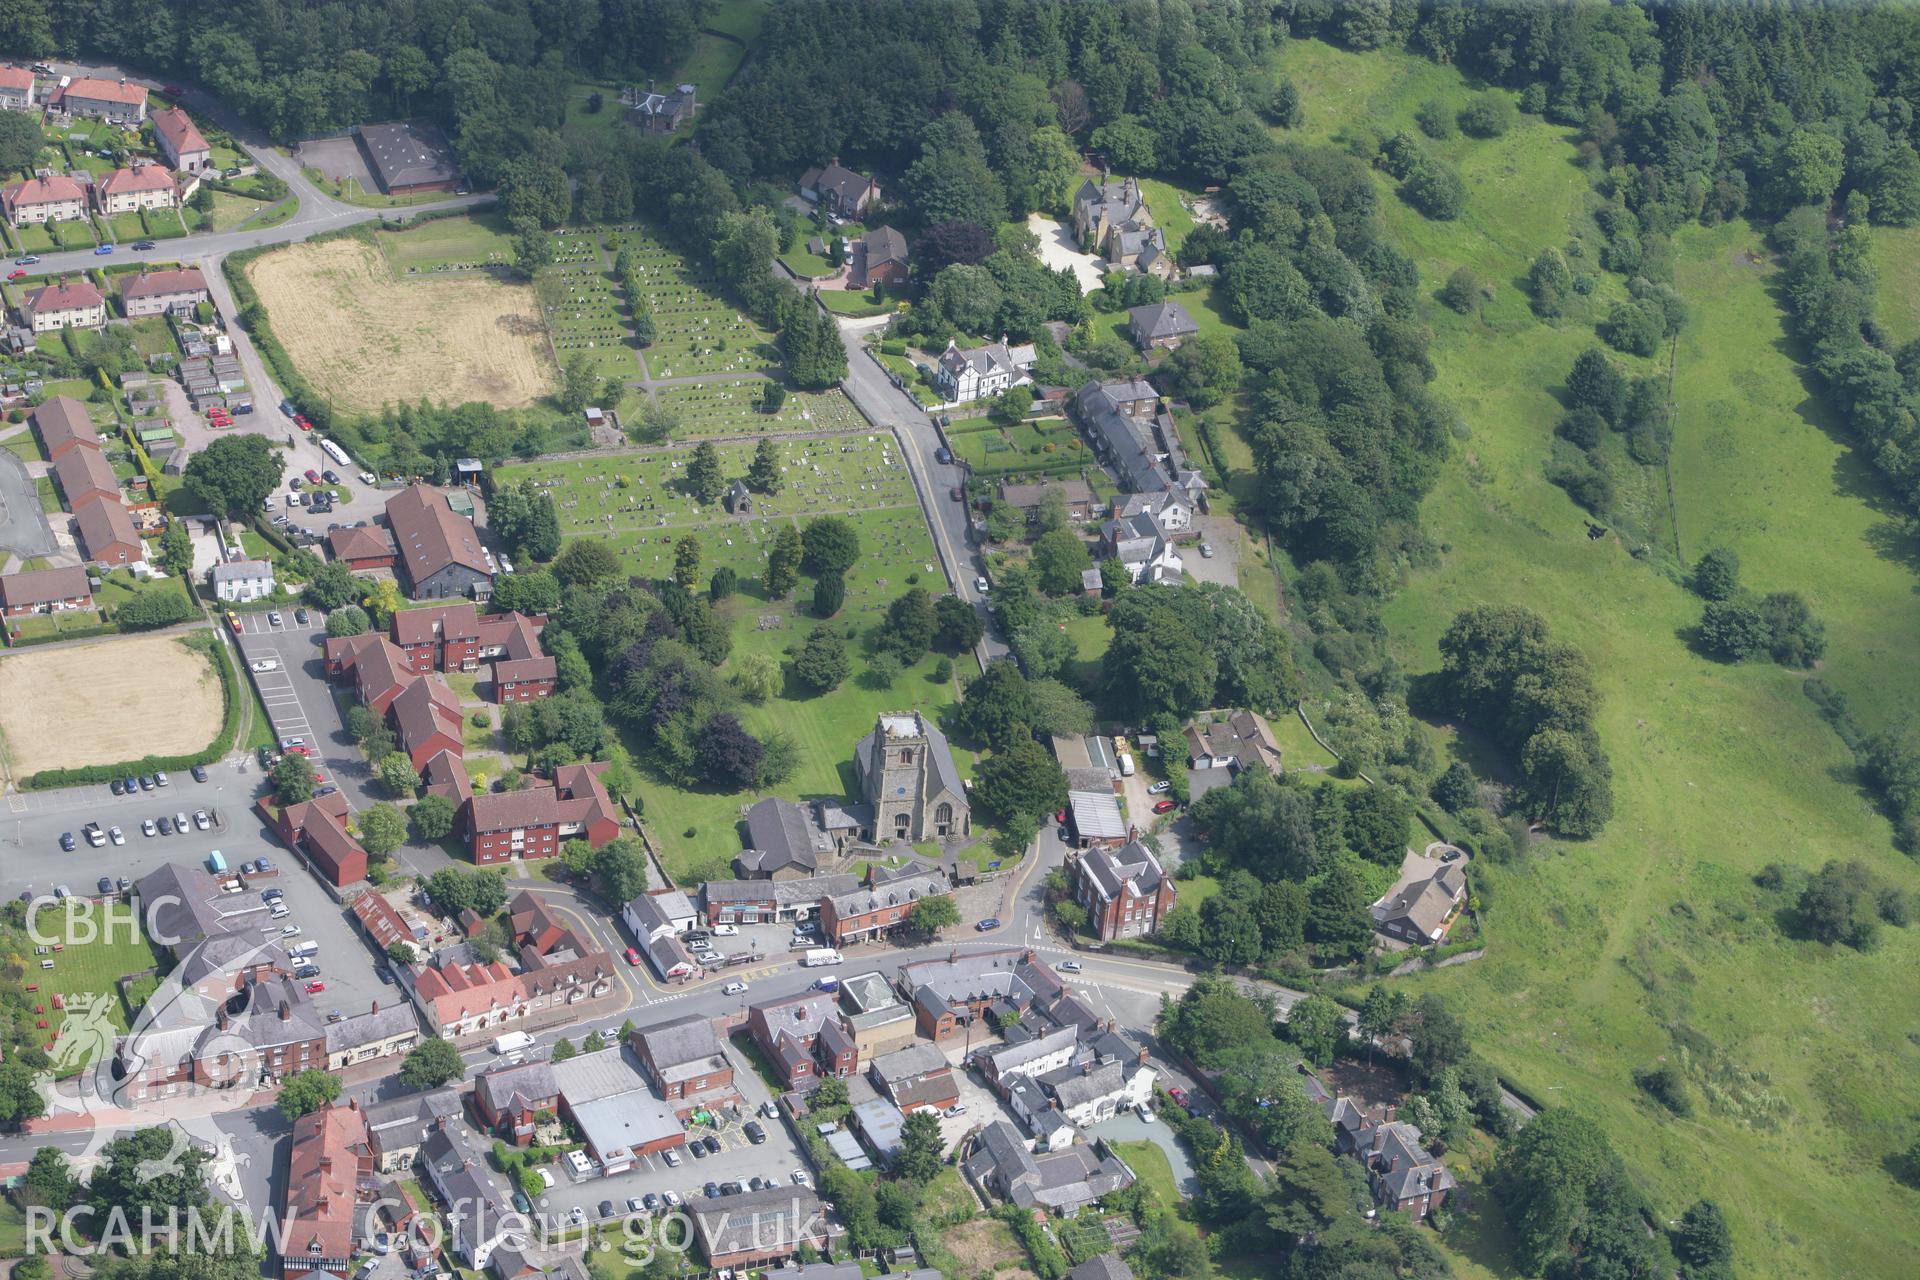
{"points": [[1649, 943]]}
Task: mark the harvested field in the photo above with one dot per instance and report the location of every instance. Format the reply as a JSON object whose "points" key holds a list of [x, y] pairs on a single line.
{"points": [[367, 337], [98, 703]]}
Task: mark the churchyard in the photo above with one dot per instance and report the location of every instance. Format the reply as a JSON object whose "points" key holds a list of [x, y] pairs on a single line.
{"points": [[697, 333], [732, 408], [584, 310]]}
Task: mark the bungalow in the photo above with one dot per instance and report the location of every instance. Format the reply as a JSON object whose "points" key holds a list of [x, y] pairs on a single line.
{"points": [[360, 546], [107, 534], [1162, 325], [154, 293], [976, 373], [67, 305], [180, 141], [64, 424], [16, 89], [142, 186], [1063, 1182], [119, 101], [839, 190], [241, 580], [44, 591], [47, 198], [1031, 498]]}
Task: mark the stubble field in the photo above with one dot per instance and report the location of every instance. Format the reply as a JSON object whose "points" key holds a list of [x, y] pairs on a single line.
{"points": [[367, 337], [117, 700]]}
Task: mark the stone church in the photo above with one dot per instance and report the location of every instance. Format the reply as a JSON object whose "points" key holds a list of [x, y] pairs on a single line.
{"points": [[905, 772]]}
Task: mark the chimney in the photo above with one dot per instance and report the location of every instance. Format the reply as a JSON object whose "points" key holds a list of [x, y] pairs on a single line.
{"points": [[1379, 1139], [353, 1104], [326, 1163], [1393, 1109], [286, 1012]]}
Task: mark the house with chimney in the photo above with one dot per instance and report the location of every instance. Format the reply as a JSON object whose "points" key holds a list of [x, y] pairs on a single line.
{"points": [[457, 637], [156, 293], [839, 190], [426, 720], [882, 258], [48, 197], [44, 591], [361, 547], [757, 1227], [317, 830], [1125, 891], [398, 1129], [949, 995], [963, 374], [804, 1038], [1420, 913], [915, 1078], [687, 1061], [1001, 1166], [66, 304], [1402, 1173], [880, 906], [330, 1182], [481, 1218], [1160, 326], [137, 187], [180, 140], [114, 100], [562, 977]]}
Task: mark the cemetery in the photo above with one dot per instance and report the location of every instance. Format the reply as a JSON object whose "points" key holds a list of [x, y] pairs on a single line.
{"points": [[732, 408], [583, 309]]}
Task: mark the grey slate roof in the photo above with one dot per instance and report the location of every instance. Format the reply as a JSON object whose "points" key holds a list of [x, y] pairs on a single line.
{"points": [[685, 1048], [1162, 320], [528, 1084], [371, 1027], [909, 889], [1102, 1266], [784, 835], [404, 1121], [1116, 872], [942, 755], [810, 889]]}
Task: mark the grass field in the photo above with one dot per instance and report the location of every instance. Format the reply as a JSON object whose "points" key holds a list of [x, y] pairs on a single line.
{"points": [[104, 702], [858, 476], [584, 310], [731, 409], [366, 336], [1615, 953], [1896, 256], [479, 239], [114, 947], [1150, 1164], [1169, 214]]}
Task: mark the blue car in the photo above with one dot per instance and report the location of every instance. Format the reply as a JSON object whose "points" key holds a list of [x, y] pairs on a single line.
{"points": [[105, 248], [990, 923]]}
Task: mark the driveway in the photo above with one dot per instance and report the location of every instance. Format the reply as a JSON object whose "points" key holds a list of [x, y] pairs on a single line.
{"points": [[23, 525], [1128, 1127], [1059, 248], [1224, 535]]}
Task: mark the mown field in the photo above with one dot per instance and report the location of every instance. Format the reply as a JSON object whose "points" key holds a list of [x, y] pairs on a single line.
{"points": [[1649, 943]]}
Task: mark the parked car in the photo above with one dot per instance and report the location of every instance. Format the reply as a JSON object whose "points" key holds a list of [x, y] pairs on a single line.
{"points": [[1159, 787], [673, 1162], [799, 1177], [200, 820], [755, 1134], [125, 884], [712, 1190], [315, 988], [118, 787], [116, 835], [26, 260], [166, 826], [734, 989], [699, 1152], [199, 772], [1068, 966], [726, 931], [577, 1216], [330, 476], [980, 585], [1144, 1111], [989, 924], [266, 664], [307, 971], [300, 616], [144, 244], [1165, 806], [146, 782], [1206, 551], [105, 248], [67, 843], [180, 820], [18, 273], [606, 1208]]}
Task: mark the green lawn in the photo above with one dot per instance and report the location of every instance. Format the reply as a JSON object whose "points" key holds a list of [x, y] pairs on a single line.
{"points": [[152, 336], [1151, 1166], [26, 445], [164, 224], [1896, 256], [109, 946], [1612, 954], [854, 302], [73, 235], [126, 227], [228, 211], [275, 215], [1169, 214], [35, 238], [805, 263], [481, 238]]}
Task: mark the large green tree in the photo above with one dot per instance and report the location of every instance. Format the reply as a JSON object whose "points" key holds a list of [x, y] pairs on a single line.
{"points": [[1020, 786], [234, 475], [434, 1063]]}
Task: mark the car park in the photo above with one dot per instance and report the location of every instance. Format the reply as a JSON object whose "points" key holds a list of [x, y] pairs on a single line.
{"points": [[673, 1160], [712, 1145], [300, 616], [266, 664], [699, 1152], [160, 779], [726, 931], [166, 825], [273, 618], [180, 820], [61, 891]]}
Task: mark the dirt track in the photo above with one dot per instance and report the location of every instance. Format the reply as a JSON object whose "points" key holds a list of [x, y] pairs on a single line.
{"points": [[368, 338], [97, 703]]}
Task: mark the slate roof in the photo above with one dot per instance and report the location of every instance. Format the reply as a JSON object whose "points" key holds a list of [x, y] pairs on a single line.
{"points": [[884, 244], [810, 889], [406, 154], [1102, 1266], [755, 1220], [685, 1048], [782, 834], [523, 1087], [371, 1027], [836, 177], [1161, 320], [430, 536], [865, 901], [180, 905], [1129, 871], [404, 1121]]}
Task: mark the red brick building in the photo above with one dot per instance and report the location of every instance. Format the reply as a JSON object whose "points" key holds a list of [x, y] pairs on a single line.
{"points": [[426, 720], [456, 637], [532, 823], [318, 829], [329, 1171], [362, 546], [1125, 892], [44, 591], [684, 1058], [804, 1038]]}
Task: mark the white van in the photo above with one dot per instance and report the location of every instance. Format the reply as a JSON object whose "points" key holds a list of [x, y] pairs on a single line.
{"points": [[305, 951], [512, 1042], [1126, 765]]}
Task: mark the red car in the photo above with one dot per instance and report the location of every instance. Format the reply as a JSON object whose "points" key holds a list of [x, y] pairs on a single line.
{"points": [[633, 957], [171, 90], [1178, 1094], [18, 273], [300, 421], [315, 987], [301, 748], [313, 477], [1165, 806]]}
